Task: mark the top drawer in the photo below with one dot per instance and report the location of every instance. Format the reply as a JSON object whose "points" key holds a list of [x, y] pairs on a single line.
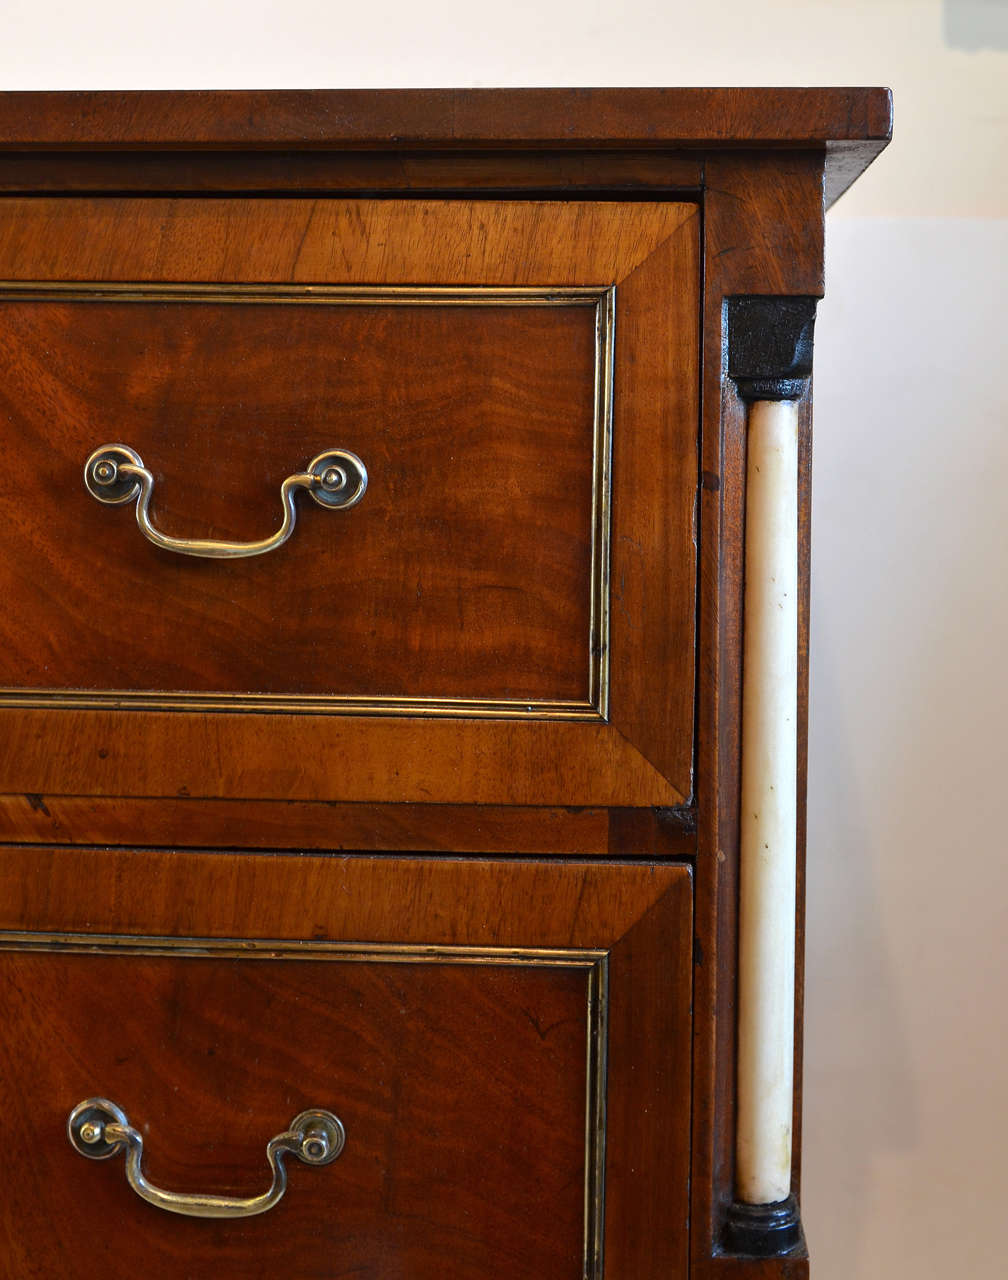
{"points": [[507, 613]]}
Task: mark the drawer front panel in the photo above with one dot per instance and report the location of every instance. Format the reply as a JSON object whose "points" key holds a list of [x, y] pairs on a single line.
{"points": [[461, 1085], [519, 378], [507, 1044], [468, 573]]}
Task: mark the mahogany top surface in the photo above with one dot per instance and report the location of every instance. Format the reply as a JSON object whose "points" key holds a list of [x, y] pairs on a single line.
{"points": [[443, 118]]}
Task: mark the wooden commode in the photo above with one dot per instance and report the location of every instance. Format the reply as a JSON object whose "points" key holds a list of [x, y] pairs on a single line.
{"points": [[403, 668]]}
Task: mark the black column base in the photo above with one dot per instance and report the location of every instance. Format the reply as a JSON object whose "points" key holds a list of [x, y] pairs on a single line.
{"points": [[763, 1230]]}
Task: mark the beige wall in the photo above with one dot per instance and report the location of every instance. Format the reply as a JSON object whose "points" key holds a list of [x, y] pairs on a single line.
{"points": [[908, 859], [907, 1025]]}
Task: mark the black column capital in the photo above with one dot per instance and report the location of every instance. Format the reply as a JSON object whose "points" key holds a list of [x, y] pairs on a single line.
{"points": [[770, 346]]}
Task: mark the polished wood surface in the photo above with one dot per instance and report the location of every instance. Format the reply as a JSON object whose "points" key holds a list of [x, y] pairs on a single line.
{"points": [[652, 570], [353, 172], [499, 243], [408, 900], [211, 1058], [461, 1077], [793, 1266], [265, 824], [495, 568], [770, 218], [850, 125], [462, 117], [331, 758], [477, 420], [613, 842]]}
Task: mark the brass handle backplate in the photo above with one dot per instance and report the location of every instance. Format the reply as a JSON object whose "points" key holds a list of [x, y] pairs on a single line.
{"points": [[115, 474], [99, 1129]]}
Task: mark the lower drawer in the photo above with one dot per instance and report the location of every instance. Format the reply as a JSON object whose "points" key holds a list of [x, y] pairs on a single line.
{"points": [[506, 1046]]}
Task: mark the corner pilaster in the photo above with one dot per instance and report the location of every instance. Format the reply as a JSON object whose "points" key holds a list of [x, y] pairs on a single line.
{"points": [[770, 343]]}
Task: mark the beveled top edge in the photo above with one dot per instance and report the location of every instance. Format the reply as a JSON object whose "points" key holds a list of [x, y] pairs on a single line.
{"points": [[385, 119]]}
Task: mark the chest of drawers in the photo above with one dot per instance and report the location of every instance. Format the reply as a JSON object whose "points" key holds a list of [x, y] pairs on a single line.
{"points": [[404, 539]]}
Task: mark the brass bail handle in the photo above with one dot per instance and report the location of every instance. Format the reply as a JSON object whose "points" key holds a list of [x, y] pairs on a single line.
{"points": [[115, 474], [99, 1129]]}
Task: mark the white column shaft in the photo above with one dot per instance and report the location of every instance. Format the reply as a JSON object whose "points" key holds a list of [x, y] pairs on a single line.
{"points": [[769, 795]]}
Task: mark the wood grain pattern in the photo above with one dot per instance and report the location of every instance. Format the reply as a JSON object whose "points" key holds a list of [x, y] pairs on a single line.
{"points": [[225, 826], [282, 1030], [353, 172], [334, 897], [264, 824], [644, 759], [653, 583], [794, 1266], [211, 1057], [765, 227], [804, 621], [402, 118], [848, 126], [477, 421], [331, 758], [763, 234], [418, 241], [649, 1071]]}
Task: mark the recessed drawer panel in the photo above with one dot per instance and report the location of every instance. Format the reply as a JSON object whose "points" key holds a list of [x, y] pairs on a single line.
{"points": [[461, 1087], [494, 405], [468, 574]]}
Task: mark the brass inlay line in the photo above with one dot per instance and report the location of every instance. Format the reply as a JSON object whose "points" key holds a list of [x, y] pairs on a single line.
{"points": [[596, 1067], [605, 323], [596, 1010], [127, 700], [366, 295], [294, 949], [595, 708]]}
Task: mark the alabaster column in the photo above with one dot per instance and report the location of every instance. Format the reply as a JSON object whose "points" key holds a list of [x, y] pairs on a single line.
{"points": [[768, 814]]}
